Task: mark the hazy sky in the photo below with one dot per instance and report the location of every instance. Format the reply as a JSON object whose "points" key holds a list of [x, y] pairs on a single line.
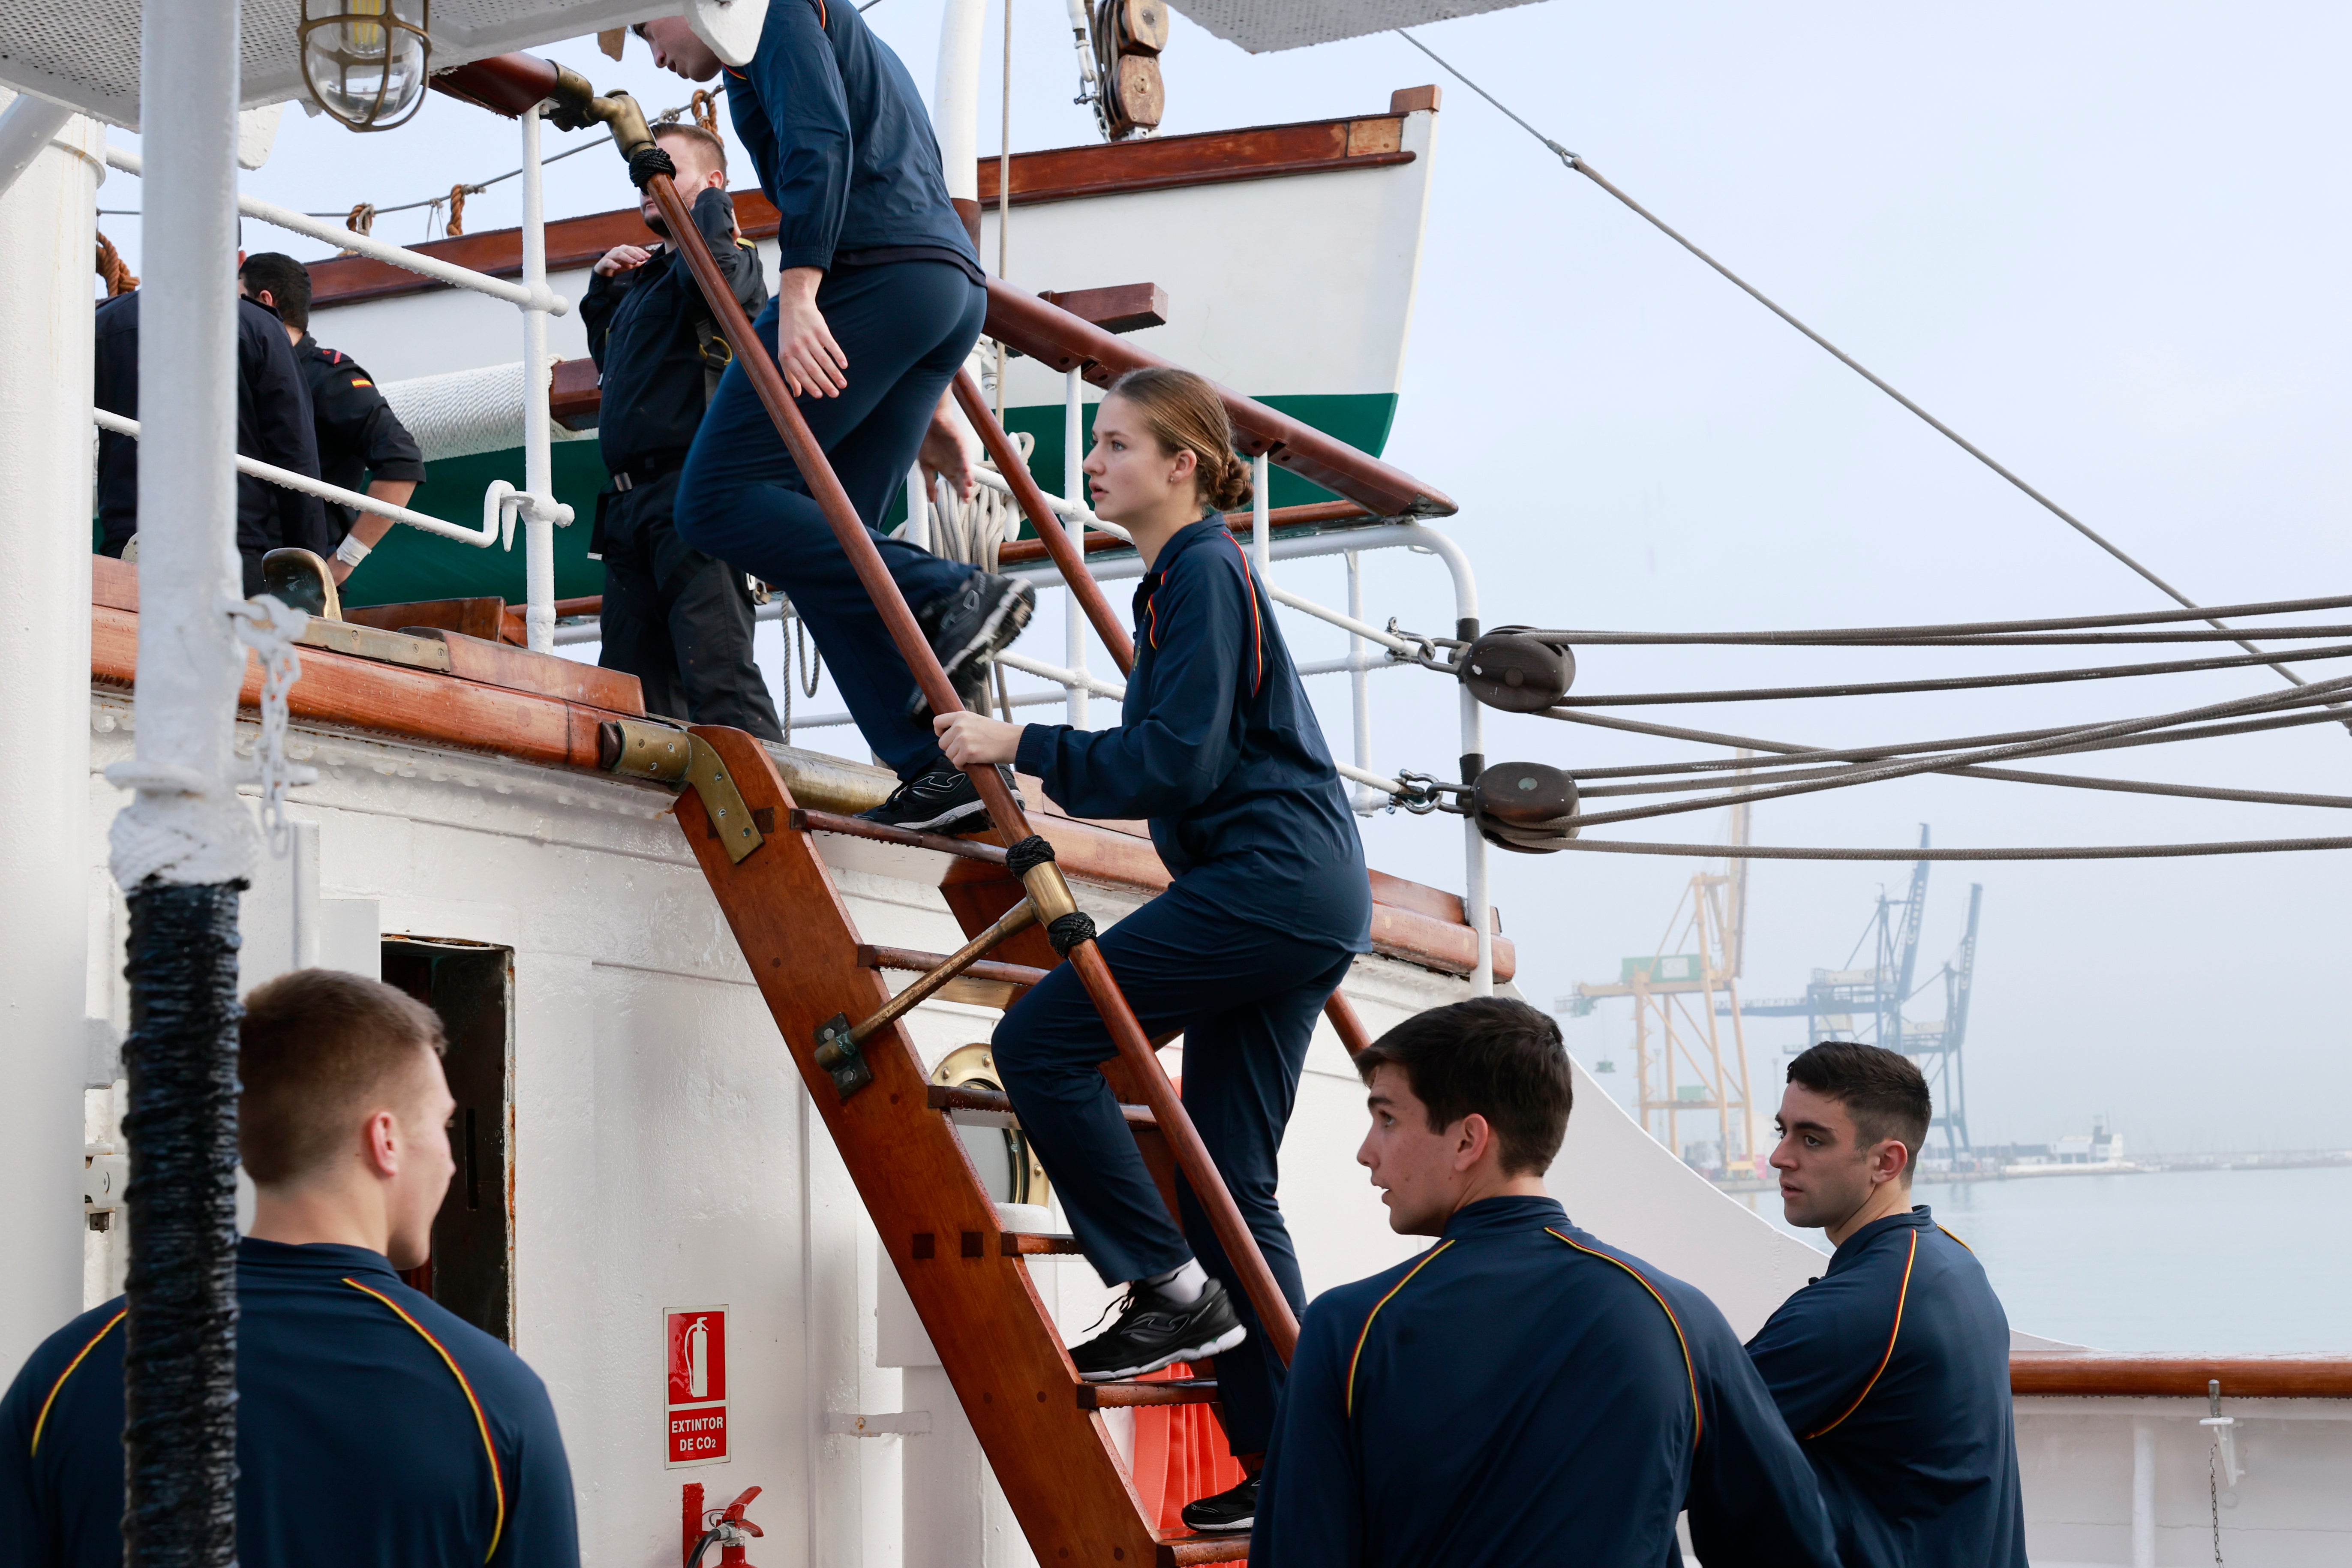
{"points": [[2102, 241]]}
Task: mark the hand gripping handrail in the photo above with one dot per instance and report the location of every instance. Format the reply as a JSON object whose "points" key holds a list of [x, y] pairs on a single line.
{"points": [[1047, 888], [1057, 339]]}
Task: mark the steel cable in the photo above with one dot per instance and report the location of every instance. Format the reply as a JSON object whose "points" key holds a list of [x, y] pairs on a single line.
{"points": [[2088, 852], [1956, 682], [2324, 691], [1579, 165], [1951, 628]]}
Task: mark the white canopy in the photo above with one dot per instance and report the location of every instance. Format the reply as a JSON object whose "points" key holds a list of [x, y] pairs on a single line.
{"points": [[1262, 26], [85, 53]]}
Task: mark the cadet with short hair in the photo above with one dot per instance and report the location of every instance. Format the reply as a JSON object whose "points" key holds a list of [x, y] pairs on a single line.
{"points": [[374, 1427], [678, 620], [362, 442], [1521, 1391], [1892, 1368]]}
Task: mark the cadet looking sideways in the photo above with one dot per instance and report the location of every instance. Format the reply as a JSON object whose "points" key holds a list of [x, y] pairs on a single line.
{"points": [[374, 1430], [1269, 903], [273, 425], [1892, 1367], [678, 620], [362, 442], [1522, 1391]]}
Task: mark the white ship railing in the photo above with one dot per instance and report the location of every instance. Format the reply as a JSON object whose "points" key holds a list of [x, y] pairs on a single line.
{"points": [[502, 504]]}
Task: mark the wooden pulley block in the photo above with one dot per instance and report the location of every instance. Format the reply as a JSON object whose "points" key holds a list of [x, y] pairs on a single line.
{"points": [[1142, 95], [1142, 25], [1511, 672], [1525, 806]]}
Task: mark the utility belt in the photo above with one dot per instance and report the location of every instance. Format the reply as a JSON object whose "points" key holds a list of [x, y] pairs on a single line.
{"points": [[645, 471]]}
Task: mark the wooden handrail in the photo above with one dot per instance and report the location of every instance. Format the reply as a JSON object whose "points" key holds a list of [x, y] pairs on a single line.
{"points": [[1044, 881], [1055, 338], [2093, 1375]]}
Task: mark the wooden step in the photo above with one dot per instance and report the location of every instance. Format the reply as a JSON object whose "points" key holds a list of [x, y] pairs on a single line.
{"points": [[990, 1108], [1125, 1395], [1187, 1549], [911, 959]]}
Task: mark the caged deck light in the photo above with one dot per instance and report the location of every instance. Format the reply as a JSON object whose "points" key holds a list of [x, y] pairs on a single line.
{"points": [[364, 60]]}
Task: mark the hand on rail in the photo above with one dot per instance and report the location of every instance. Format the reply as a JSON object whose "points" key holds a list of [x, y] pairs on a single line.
{"points": [[951, 450], [971, 739], [623, 258], [812, 361]]}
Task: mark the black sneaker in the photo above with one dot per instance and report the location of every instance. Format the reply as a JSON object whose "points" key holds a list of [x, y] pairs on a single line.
{"points": [[1229, 1512], [941, 800], [1154, 1331], [971, 682], [971, 625]]}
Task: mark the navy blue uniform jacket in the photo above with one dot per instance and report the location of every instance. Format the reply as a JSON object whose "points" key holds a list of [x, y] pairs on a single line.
{"points": [[644, 332], [1892, 1368], [273, 424], [374, 1430], [843, 143], [360, 437], [1523, 1393], [1219, 748]]}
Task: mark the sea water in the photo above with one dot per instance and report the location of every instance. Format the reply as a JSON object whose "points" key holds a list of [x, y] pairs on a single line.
{"points": [[2218, 1263]]}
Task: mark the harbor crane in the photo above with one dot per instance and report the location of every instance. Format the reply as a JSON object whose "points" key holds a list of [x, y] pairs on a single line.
{"points": [[1838, 998]]}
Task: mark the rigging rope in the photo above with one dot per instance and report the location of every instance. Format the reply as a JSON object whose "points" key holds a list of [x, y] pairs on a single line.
{"points": [[1579, 165], [1866, 635], [1955, 683], [2081, 852]]}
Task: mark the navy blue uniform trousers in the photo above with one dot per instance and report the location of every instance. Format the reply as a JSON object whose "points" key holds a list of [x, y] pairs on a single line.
{"points": [[1246, 998], [906, 327]]}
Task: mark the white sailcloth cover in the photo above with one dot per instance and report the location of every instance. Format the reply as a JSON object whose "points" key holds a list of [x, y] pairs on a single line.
{"points": [[1262, 26]]}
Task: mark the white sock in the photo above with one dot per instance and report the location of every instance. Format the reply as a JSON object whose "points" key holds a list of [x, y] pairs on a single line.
{"points": [[1183, 1284]]}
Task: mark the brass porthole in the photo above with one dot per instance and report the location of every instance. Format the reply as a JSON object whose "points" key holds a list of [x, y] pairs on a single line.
{"points": [[1007, 1167]]}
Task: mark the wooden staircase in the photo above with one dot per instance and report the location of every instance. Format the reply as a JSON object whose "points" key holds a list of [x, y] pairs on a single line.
{"points": [[1040, 1425]]}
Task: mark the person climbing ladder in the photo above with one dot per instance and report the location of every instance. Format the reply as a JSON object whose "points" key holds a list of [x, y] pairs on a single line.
{"points": [[879, 297], [1269, 905]]}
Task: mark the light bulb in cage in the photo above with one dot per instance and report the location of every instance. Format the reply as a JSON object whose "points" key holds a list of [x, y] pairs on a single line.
{"points": [[365, 61]]}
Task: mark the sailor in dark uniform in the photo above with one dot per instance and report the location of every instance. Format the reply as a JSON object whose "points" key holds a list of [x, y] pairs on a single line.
{"points": [[362, 445], [1892, 1368], [1522, 1391], [678, 620], [1218, 746], [879, 297], [273, 425], [374, 1429]]}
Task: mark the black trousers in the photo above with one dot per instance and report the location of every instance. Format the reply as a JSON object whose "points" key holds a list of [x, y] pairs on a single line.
{"points": [[678, 620]]}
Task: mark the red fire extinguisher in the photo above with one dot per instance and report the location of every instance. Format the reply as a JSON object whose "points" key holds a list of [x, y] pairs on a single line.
{"points": [[730, 1531]]}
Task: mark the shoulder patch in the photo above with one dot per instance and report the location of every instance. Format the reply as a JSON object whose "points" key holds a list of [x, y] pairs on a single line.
{"points": [[362, 381]]}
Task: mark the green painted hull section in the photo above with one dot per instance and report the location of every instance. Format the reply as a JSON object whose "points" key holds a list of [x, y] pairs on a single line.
{"points": [[411, 565]]}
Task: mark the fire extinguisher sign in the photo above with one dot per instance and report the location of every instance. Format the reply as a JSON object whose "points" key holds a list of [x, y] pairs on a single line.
{"points": [[694, 1355]]}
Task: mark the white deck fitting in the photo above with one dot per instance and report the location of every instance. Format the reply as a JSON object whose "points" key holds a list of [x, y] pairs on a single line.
{"points": [[86, 52]]}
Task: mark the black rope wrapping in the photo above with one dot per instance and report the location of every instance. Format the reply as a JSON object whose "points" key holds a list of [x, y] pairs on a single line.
{"points": [[648, 161], [1026, 855], [1067, 931], [179, 1368]]}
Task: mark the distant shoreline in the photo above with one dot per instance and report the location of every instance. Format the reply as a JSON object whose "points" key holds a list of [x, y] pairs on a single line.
{"points": [[2146, 1165]]}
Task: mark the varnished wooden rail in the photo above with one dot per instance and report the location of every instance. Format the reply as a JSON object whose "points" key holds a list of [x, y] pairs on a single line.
{"points": [[2061, 1373], [997, 1103], [1129, 1395]]}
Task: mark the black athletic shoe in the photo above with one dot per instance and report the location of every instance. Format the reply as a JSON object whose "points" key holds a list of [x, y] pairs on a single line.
{"points": [[942, 800], [1154, 1331], [971, 682], [1229, 1512], [971, 625]]}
